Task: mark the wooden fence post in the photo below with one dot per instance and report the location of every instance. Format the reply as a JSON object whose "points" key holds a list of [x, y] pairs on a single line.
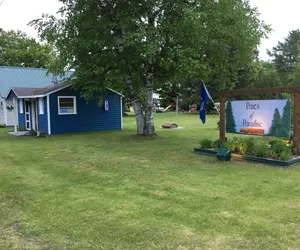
{"points": [[222, 118], [296, 132]]}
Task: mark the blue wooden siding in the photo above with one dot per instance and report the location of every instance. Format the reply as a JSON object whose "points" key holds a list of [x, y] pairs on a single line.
{"points": [[89, 117], [42, 119]]}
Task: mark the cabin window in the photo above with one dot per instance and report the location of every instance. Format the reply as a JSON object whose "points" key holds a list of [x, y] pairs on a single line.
{"points": [[21, 106], [67, 105], [41, 106]]}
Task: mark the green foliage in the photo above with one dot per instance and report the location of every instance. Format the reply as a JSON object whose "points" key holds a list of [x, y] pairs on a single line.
{"points": [[2, 125], [261, 150], [218, 124], [158, 45], [230, 123], [286, 56], [234, 145], [275, 148], [279, 147], [33, 132], [17, 49], [250, 145], [218, 143], [206, 144], [285, 155]]}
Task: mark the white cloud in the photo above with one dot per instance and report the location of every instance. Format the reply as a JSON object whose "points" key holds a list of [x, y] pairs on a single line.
{"points": [[281, 15]]}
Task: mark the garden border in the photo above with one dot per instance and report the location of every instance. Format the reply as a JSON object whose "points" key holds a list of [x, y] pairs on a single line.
{"points": [[252, 159]]}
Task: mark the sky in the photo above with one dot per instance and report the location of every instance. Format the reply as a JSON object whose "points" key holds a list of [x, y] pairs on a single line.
{"points": [[282, 15]]}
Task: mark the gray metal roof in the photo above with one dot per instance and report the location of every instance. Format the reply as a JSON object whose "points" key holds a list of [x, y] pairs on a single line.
{"points": [[17, 77]]}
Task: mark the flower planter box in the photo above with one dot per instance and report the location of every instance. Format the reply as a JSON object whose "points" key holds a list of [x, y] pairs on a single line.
{"points": [[252, 159]]}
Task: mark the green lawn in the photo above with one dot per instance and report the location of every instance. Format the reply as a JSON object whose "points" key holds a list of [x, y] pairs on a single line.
{"points": [[112, 190]]}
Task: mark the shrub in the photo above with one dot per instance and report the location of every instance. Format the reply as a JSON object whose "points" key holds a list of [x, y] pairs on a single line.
{"points": [[218, 143], [206, 143], [261, 150], [233, 145], [286, 155], [218, 124], [273, 142], [249, 146], [2, 125], [33, 132], [243, 148], [279, 147], [230, 145]]}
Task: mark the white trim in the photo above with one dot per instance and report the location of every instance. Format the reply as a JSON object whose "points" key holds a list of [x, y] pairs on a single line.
{"points": [[41, 105], [30, 114], [31, 96], [115, 92], [74, 104], [121, 104], [21, 106], [12, 91], [48, 115], [37, 117], [15, 115]]}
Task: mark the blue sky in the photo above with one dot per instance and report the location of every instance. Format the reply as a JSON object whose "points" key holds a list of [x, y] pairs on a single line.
{"points": [[281, 15]]}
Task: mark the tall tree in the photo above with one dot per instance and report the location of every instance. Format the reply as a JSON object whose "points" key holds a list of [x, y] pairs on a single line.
{"points": [[286, 55], [17, 49], [230, 122], [276, 124], [149, 43]]}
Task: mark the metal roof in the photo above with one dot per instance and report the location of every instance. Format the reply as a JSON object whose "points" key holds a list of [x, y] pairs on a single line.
{"points": [[12, 77]]}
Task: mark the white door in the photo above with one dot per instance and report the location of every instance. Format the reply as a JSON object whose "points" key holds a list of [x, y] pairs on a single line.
{"points": [[27, 115]]}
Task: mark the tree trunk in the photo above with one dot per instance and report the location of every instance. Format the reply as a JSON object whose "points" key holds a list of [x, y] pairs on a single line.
{"points": [[144, 120], [149, 122], [137, 107]]}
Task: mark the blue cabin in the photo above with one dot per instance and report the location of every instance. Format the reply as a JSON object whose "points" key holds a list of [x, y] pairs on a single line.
{"points": [[59, 109]]}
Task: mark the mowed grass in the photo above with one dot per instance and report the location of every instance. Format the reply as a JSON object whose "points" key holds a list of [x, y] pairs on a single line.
{"points": [[113, 190]]}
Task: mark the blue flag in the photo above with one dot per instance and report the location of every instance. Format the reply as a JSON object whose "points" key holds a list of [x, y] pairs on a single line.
{"points": [[205, 97]]}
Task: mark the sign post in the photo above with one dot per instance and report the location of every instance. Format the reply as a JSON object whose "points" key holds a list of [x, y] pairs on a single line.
{"points": [[247, 92]]}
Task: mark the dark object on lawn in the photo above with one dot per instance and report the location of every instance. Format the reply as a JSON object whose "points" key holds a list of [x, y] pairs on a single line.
{"points": [[169, 125], [224, 154]]}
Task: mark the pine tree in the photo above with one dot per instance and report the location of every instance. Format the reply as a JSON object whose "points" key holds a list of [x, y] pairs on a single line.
{"points": [[276, 124], [286, 120], [230, 123]]}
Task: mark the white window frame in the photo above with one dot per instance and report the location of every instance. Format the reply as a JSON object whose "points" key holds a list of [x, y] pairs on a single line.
{"points": [[21, 106], [69, 97], [41, 106]]}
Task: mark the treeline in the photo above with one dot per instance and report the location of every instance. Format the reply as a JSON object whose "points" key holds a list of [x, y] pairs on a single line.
{"points": [[283, 69]]}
